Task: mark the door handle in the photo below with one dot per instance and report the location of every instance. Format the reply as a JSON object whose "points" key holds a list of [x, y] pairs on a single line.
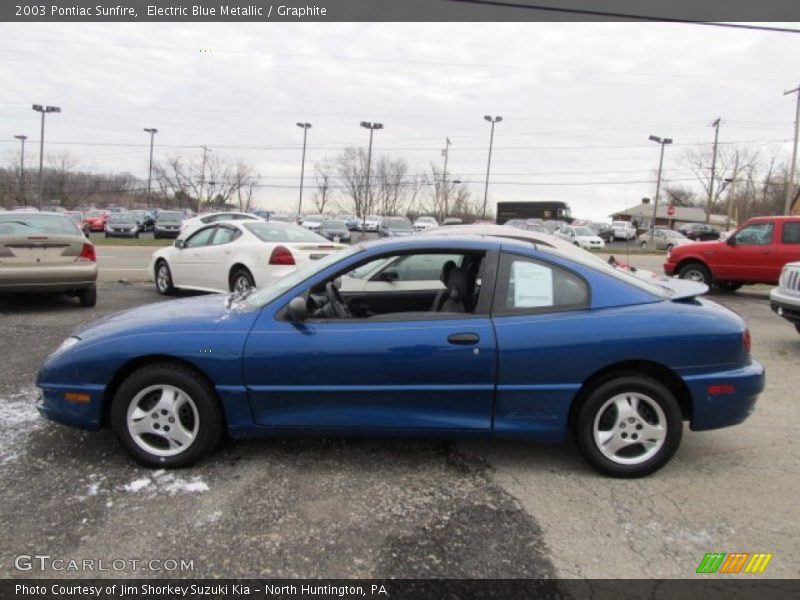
{"points": [[464, 339]]}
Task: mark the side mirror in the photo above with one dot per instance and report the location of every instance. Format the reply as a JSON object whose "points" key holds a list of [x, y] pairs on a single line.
{"points": [[297, 310], [731, 240], [388, 275], [179, 244]]}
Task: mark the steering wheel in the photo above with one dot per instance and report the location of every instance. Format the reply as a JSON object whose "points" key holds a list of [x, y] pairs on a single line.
{"points": [[338, 304]]}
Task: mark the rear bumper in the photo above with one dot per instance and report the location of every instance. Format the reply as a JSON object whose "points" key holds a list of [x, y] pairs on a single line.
{"points": [[48, 279], [723, 410]]}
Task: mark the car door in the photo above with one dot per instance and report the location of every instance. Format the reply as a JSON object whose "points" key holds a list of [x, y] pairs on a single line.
{"points": [[216, 257], [539, 313], [187, 266], [751, 255], [404, 371]]}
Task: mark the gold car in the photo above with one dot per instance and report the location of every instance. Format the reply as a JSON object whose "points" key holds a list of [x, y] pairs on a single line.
{"points": [[46, 252]]}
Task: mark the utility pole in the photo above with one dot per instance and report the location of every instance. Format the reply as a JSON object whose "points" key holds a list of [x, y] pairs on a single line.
{"points": [[44, 110], [715, 125], [306, 127], [790, 185], [22, 139], [202, 178], [732, 192], [445, 191], [152, 132], [663, 142], [366, 205], [489, 162]]}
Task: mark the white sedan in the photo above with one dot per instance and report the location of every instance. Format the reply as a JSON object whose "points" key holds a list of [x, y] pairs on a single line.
{"points": [[425, 223], [189, 226], [236, 256], [581, 236]]}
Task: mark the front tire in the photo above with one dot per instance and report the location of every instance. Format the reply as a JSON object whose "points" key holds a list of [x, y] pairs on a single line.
{"points": [[163, 276], [630, 426], [696, 272], [166, 416]]}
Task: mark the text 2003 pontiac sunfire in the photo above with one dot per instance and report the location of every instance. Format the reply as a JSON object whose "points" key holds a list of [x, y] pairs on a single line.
{"points": [[447, 336]]}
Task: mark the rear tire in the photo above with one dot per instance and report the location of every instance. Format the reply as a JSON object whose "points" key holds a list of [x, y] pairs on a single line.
{"points": [[166, 416], [728, 286], [88, 297], [163, 277], [696, 272], [241, 280], [630, 426]]}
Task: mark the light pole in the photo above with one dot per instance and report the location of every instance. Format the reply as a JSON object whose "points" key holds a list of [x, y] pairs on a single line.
{"points": [[790, 185], [22, 139], [305, 127], [489, 162], [663, 142], [372, 127], [44, 110], [715, 125], [152, 131], [445, 191]]}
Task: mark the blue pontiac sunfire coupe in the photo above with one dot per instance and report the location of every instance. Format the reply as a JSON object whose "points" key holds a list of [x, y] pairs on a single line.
{"points": [[457, 335]]}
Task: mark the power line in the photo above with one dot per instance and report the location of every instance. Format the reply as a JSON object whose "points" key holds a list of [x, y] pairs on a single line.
{"points": [[627, 16]]}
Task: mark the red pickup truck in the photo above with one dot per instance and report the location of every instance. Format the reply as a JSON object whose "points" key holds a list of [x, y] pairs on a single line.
{"points": [[755, 253]]}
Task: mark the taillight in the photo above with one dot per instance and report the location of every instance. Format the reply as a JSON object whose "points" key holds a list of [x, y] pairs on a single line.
{"points": [[746, 340], [87, 253], [281, 256]]}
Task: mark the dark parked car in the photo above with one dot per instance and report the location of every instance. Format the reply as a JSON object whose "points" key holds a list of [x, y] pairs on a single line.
{"points": [[144, 220], [168, 224], [604, 231], [699, 232], [122, 224], [335, 230], [395, 227]]}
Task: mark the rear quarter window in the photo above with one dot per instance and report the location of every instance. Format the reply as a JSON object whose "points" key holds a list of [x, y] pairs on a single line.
{"points": [[790, 234]]}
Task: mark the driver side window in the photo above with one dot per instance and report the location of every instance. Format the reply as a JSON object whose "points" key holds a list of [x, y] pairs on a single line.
{"points": [[757, 234], [201, 238]]}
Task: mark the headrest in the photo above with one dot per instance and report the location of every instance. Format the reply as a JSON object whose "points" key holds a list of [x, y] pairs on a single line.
{"points": [[457, 283], [446, 268]]}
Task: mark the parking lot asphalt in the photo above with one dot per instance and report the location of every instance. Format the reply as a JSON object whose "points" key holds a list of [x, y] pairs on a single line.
{"points": [[333, 507]]}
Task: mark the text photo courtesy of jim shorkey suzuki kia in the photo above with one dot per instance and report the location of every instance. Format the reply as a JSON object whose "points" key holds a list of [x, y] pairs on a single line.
{"points": [[357, 298]]}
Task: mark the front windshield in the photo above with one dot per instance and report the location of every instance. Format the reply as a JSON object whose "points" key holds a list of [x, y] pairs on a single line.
{"points": [[121, 218], [334, 225], [265, 295], [583, 231], [170, 216], [398, 224], [675, 234]]}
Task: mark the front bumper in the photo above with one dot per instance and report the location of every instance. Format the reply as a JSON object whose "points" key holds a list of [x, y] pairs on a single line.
{"points": [[116, 233], [785, 305], [167, 232], [723, 410], [52, 405]]}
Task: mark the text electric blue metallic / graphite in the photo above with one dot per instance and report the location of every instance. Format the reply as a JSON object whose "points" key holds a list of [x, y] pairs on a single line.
{"points": [[512, 340]]}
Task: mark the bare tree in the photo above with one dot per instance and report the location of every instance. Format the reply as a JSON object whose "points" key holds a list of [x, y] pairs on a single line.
{"points": [[442, 199], [351, 167], [323, 195], [698, 161], [214, 182]]}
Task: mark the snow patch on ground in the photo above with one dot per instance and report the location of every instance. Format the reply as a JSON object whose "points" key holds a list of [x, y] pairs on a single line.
{"points": [[163, 482], [18, 417]]}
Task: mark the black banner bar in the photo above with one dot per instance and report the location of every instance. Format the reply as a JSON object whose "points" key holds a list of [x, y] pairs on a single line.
{"points": [[777, 11], [713, 588]]}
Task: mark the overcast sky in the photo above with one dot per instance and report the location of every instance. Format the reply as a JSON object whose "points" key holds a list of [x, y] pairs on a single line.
{"points": [[578, 101]]}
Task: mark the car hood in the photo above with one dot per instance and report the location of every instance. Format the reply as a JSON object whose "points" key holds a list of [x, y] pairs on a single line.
{"points": [[202, 313]]}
